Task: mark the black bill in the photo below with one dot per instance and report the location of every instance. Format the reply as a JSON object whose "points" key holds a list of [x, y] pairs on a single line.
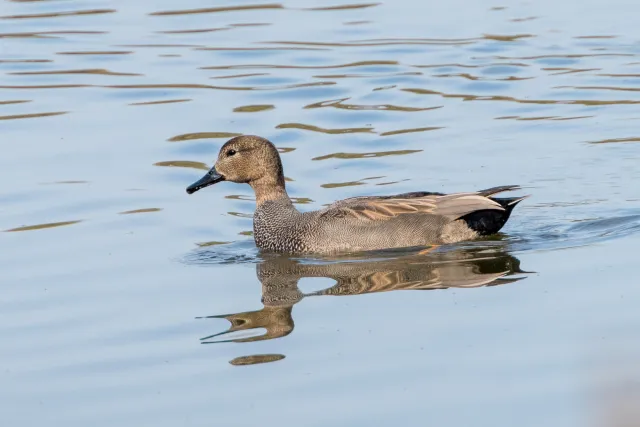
{"points": [[210, 178]]}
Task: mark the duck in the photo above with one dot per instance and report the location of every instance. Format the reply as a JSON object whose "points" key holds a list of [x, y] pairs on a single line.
{"points": [[357, 224]]}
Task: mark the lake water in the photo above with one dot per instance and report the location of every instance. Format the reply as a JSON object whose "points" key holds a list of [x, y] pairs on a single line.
{"points": [[126, 302]]}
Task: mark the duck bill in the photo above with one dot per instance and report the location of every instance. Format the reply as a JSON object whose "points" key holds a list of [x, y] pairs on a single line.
{"points": [[210, 178]]}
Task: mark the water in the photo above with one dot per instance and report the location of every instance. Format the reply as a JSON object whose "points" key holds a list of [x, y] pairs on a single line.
{"points": [[127, 302]]}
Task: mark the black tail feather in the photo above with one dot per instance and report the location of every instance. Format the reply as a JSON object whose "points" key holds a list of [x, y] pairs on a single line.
{"points": [[488, 222]]}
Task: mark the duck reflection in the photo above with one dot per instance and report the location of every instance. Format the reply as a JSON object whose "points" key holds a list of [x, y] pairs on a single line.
{"points": [[279, 275]]}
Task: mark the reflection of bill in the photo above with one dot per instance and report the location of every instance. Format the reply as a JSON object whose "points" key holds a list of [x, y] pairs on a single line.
{"points": [[463, 268]]}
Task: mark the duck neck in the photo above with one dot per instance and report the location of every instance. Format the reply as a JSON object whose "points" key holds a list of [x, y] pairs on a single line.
{"points": [[270, 189]]}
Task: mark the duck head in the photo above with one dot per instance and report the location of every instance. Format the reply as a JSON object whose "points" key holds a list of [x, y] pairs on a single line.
{"points": [[245, 159]]}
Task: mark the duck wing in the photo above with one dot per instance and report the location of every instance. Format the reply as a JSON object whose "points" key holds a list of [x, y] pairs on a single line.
{"points": [[451, 206]]}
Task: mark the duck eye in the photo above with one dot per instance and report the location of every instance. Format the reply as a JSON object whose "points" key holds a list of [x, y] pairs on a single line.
{"points": [[231, 152]]}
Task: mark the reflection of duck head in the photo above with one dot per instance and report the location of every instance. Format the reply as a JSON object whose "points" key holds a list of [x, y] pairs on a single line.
{"points": [[279, 275]]}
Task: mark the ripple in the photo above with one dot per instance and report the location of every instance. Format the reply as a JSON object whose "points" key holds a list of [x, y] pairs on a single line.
{"points": [[577, 233], [256, 359], [202, 86], [488, 65], [339, 103], [194, 31], [590, 231], [97, 52], [378, 42], [554, 118], [143, 210], [260, 49], [529, 18], [566, 56], [595, 37], [254, 108], [60, 86], [585, 202], [216, 29], [469, 76], [43, 226], [237, 76], [215, 253], [71, 182], [60, 14], [345, 7], [243, 197], [364, 76], [366, 155], [323, 130], [615, 140], [48, 34], [251, 24], [299, 67], [565, 70], [160, 45], [350, 183], [620, 75], [33, 115], [183, 164], [218, 9], [470, 97], [211, 243], [81, 71], [15, 101], [168, 101], [301, 200], [23, 61], [203, 135], [391, 182], [342, 184], [614, 88], [412, 130], [507, 38], [241, 214]]}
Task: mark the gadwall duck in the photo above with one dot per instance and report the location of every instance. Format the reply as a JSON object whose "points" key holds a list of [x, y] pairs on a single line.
{"points": [[356, 224]]}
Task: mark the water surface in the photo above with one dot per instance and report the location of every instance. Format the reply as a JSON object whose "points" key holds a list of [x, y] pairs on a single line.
{"points": [[127, 302]]}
